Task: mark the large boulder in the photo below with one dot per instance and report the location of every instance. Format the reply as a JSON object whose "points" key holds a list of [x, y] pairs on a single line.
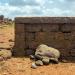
{"points": [[44, 50]]}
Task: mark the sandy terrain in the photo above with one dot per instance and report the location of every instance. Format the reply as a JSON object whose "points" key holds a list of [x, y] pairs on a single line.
{"points": [[22, 66], [6, 36]]}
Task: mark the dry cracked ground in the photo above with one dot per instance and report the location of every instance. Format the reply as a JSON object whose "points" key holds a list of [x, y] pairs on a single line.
{"points": [[22, 66]]}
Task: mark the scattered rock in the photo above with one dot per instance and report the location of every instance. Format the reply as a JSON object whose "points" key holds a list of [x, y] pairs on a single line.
{"points": [[32, 57], [64, 61], [33, 66], [38, 57], [39, 63], [45, 60], [54, 60]]}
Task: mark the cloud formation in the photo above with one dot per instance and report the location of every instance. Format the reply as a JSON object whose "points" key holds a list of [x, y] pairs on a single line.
{"points": [[13, 8]]}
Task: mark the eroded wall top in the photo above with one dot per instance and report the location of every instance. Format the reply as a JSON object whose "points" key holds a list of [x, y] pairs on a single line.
{"points": [[45, 20]]}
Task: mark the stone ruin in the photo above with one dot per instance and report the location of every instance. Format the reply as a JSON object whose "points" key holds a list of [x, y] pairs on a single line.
{"points": [[57, 32]]}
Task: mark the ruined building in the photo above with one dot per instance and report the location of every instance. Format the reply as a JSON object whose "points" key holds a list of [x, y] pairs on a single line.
{"points": [[57, 32]]}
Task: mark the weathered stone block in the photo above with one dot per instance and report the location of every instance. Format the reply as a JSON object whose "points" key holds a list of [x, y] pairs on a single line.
{"points": [[60, 41], [31, 44], [19, 28], [20, 36], [57, 32], [18, 52], [50, 27], [56, 20], [72, 52], [67, 27], [35, 28], [67, 36], [29, 52], [73, 36], [30, 36]]}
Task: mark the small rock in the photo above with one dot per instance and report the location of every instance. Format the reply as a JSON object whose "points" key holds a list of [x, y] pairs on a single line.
{"points": [[54, 60], [39, 57], [39, 63], [33, 66], [45, 60], [32, 57], [64, 61]]}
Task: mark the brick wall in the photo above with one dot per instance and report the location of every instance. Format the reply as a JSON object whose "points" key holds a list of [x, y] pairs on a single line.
{"points": [[57, 32]]}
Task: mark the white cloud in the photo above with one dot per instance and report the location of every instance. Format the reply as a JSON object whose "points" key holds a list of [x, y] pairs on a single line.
{"points": [[38, 8], [62, 0]]}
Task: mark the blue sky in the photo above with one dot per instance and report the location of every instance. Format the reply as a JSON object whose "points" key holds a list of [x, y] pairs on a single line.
{"points": [[14, 8]]}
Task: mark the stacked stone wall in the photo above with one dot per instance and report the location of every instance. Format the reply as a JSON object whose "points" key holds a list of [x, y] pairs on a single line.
{"points": [[57, 32]]}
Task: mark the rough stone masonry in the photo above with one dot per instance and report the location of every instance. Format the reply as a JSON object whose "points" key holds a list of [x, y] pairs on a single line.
{"points": [[57, 32]]}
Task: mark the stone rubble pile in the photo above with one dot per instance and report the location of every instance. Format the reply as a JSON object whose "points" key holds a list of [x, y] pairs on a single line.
{"points": [[45, 55]]}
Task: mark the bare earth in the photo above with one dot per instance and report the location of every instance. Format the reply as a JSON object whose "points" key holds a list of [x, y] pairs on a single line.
{"points": [[22, 66]]}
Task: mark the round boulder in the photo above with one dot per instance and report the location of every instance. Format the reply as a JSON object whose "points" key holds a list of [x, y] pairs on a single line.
{"points": [[44, 50]]}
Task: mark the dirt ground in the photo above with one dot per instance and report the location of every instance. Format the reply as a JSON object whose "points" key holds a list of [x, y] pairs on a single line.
{"points": [[22, 66]]}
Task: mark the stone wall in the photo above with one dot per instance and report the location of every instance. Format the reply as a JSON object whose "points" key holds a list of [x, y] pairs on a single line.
{"points": [[57, 32]]}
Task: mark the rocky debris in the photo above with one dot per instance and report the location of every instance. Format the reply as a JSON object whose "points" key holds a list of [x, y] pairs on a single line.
{"points": [[33, 66], [45, 55], [45, 60], [39, 63], [64, 61], [32, 57]]}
